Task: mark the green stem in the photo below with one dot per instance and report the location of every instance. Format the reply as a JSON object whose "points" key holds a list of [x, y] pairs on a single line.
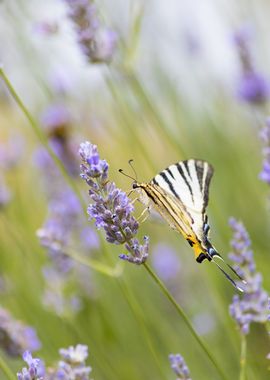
{"points": [[182, 314], [5, 369], [41, 137], [96, 265], [243, 357], [139, 315], [153, 111]]}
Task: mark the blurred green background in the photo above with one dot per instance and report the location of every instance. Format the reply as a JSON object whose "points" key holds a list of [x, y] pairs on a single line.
{"points": [[169, 94]]}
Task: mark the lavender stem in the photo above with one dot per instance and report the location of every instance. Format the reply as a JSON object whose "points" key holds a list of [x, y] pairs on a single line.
{"points": [[5, 369], [41, 136], [243, 357], [183, 315]]}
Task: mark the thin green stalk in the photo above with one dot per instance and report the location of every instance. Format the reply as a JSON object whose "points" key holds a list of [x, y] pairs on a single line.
{"points": [[133, 131], [96, 265], [138, 313], [243, 358], [41, 136], [153, 111], [182, 314], [6, 370]]}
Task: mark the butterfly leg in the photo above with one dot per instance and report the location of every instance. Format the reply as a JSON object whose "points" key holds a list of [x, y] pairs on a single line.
{"points": [[146, 210]]}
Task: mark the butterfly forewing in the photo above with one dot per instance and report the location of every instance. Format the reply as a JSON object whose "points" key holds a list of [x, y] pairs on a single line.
{"points": [[188, 181]]}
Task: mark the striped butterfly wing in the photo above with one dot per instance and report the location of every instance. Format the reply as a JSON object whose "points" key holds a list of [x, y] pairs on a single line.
{"points": [[188, 181]]}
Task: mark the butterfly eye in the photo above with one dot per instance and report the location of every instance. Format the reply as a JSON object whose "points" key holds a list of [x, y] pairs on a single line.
{"points": [[135, 185]]}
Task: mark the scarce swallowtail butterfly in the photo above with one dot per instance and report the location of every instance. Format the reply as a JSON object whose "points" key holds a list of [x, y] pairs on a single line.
{"points": [[180, 194]]}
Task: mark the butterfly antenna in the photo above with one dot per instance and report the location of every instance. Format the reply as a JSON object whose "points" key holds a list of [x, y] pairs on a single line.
{"points": [[130, 162], [126, 175], [228, 276]]}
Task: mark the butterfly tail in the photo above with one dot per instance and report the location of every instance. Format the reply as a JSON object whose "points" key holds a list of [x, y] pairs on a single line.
{"points": [[215, 255]]}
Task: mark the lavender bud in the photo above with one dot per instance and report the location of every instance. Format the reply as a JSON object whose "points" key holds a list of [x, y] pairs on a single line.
{"points": [[179, 367], [253, 306]]}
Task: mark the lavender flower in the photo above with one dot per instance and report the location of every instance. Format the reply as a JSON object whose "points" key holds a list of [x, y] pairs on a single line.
{"points": [[65, 221], [253, 87], [35, 370], [265, 137], [15, 337], [179, 366], [56, 120], [72, 365], [97, 42], [110, 207], [253, 306]]}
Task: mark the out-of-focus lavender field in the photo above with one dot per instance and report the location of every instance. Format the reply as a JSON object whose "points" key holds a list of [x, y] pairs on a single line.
{"points": [[88, 289]]}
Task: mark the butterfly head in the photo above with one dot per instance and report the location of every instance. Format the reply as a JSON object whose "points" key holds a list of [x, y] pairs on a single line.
{"points": [[135, 185]]}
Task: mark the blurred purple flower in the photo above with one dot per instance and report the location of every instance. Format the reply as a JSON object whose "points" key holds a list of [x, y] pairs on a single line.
{"points": [[265, 137], [55, 117], [179, 367], [72, 365], [253, 86], [110, 207], [35, 370], [5, 193], [165, 261], [97, 42], [15, 337], [65, 220], [242, 35], [46, 28], [253, 305]]}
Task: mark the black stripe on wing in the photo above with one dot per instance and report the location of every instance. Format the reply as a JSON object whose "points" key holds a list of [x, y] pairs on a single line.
{"points": [[199, 170], [166, 179], [181, 172], [207, 180]]}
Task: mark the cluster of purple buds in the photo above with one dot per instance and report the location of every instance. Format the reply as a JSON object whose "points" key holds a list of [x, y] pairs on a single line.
{"points": [[72, 366], [179, 367], [110, 207], [253, 305], [96, 41], [253, 87], [35, 370], [265, 137], [15, 337]]}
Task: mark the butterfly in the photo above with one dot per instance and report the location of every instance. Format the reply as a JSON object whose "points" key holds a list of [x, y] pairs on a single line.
{"points": [[180, 194]]}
